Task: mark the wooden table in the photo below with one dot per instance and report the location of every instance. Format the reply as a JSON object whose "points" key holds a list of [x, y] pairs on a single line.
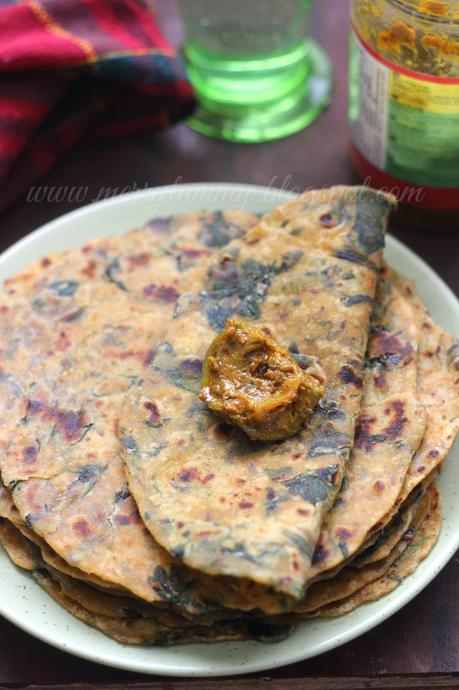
{"points": [[419, 646]]}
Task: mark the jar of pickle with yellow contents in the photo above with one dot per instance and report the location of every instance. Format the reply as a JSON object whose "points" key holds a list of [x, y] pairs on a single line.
{"points": [[404, 104]]}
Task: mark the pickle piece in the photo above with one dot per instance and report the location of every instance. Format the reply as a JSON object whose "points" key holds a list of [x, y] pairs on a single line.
{"points": [[255, 384]]}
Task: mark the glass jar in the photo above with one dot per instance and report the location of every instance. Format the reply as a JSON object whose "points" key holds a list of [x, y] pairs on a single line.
{"points": [[404, 104]]}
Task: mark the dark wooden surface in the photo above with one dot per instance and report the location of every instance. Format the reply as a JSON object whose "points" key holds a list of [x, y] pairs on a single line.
{"points": [[419, 646]]}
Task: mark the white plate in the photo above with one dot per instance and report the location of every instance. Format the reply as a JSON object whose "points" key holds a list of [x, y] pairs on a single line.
{"points": [[29, 607]]}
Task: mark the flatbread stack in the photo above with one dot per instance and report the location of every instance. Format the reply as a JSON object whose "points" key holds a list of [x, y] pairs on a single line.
{"points": [[155, 521]]}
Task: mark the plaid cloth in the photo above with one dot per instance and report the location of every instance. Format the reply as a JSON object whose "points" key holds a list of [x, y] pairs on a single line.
{"points": [[78, 69]]}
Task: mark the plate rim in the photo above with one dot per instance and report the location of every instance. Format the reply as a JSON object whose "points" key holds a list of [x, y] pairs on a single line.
{"points": [[394, 601]]}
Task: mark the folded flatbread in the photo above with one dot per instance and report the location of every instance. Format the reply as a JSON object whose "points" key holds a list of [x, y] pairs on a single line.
{"points": [[389, 430], [79, 329], [216, 501]]}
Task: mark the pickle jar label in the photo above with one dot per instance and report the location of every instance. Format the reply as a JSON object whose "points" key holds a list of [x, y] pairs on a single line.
{"points": [[404, 123]]}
